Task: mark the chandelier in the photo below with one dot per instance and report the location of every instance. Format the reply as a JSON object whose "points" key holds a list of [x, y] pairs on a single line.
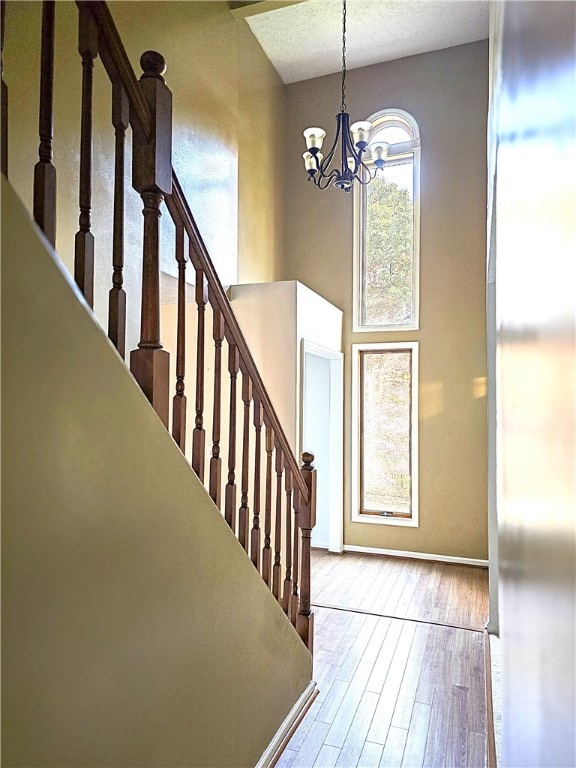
{"points": [[350, 151]]}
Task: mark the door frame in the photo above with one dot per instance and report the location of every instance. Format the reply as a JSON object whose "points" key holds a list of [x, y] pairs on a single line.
{"points": [[336, 436]]}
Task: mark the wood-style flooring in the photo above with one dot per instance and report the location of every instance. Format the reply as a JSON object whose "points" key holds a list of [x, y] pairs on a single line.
{"points": [[406, 589], [395, 692]]}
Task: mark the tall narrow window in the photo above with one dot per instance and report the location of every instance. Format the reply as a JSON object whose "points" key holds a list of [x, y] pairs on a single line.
{"points": [[385, 388], [387, 231]]}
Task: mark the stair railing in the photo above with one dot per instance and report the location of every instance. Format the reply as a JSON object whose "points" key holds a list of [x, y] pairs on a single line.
{"points": [[237, 446]]}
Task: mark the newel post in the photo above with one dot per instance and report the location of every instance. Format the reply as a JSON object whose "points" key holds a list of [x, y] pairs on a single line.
{"points": [[306, 521], [152, 179]]}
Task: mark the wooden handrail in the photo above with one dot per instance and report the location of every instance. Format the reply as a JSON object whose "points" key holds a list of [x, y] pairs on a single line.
{"points": [[117, 64], [119, 69]]}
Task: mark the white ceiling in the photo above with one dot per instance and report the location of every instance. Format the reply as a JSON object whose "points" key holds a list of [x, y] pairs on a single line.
{"points": [[304, 40]]}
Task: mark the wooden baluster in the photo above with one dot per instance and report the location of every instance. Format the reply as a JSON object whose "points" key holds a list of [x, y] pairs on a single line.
{"points": [[199, 434], [117, 295], [307, 521], [84, 241], [276, 570], [44, 204], [255, 533], [4, 116], [287, 591], [244, 512], [230, 501], [152, 179], [295, 597], [267, 551], [179, 399], [215, 460]]}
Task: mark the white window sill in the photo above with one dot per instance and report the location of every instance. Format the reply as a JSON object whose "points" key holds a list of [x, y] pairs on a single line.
{"points": [[411, 522], [385, 328]]}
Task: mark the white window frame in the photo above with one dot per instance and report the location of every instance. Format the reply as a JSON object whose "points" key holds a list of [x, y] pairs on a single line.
{"points": [[396, 152], [357, 515]]}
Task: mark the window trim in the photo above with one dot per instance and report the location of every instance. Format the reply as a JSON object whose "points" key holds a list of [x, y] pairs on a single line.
{"points": [[357, 515], [403, 149]]}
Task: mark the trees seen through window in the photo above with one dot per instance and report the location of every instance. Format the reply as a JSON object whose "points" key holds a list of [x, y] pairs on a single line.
{"points": [[387, 230]]}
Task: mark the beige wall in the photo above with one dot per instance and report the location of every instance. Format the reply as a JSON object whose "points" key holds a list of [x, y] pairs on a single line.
{"points": [[228, 130], [261, 182], [446, 92], [136, 632]]}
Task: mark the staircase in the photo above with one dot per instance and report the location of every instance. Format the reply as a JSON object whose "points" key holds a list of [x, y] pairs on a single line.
{"points": [[231, 438]]}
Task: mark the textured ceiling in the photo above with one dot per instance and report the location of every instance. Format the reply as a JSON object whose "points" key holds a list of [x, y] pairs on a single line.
{"points": [[305, 40]]}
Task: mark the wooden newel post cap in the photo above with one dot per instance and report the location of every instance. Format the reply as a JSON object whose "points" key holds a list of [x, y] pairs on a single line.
{"points": [[308, 513], [153, 64], [152, 144], [307, 459]]}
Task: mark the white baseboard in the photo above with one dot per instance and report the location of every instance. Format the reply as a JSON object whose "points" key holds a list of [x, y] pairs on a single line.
{"points": [[416, 555], [273, 750]]}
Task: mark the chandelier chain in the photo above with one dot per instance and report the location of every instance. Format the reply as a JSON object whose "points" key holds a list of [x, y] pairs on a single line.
{"points": [[343, 105]]}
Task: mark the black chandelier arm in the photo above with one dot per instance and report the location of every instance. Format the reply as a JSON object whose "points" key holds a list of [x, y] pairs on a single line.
{"points": [[362, 181], [371, 173], [348, 147], [322, 168], [324, 165], [323, 181]]}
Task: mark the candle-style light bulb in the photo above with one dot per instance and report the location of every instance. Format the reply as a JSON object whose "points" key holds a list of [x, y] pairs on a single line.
{"points": [[379, 152], [360, 133], [314, 138]]}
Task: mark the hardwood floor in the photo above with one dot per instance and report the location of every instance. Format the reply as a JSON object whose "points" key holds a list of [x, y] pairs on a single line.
{"points": [[395, 692], [406, 589]]}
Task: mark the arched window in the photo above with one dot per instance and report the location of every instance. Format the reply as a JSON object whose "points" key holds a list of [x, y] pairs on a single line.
{"points": [[386, 230]]}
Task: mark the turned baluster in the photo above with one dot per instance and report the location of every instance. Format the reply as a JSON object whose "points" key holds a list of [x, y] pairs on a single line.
{"points": [[244, 512], [215, 460], [179, 399], [44, 204], [276, 570], [230, 499], [287, 591], [267, 551], [295, 596], [117, 295], [199, 434], [4, 116], [306, 521], [84, 240], [152, 179], [255, 533]]}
